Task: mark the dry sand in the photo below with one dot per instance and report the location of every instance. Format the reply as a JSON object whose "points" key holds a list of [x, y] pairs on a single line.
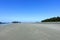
{"points": [[30, 32]]}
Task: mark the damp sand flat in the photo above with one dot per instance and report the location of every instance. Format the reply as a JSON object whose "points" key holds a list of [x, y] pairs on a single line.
{"points": [[30, 32]]}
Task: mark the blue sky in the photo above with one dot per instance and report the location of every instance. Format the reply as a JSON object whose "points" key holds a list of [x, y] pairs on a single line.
{"points": [[28, 10]]}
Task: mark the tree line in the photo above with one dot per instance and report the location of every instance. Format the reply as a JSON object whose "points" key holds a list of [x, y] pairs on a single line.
{"points": [[53, 19]]}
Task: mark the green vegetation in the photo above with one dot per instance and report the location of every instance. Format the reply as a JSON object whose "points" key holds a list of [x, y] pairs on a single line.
{"points": [[0, 22], [16, 22], [53, 19]]}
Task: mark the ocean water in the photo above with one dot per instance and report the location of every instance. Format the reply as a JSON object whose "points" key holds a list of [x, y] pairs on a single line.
{"points": [[3, 24]]}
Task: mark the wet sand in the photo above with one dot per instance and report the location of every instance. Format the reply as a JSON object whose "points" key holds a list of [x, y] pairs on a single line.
{"points": [[30, 32]]}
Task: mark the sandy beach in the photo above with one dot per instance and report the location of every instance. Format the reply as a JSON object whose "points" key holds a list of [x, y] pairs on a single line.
{"points": [[30, 32]]}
